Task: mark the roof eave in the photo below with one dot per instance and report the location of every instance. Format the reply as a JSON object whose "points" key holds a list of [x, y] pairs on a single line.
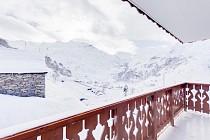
{"points": [[151, 19]]}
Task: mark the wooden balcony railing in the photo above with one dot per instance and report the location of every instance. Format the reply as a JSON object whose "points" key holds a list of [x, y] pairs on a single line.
{"points": [[138, 118]]}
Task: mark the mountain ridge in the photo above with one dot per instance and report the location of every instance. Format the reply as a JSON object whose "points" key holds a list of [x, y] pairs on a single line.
{"points": [[149, 66]]}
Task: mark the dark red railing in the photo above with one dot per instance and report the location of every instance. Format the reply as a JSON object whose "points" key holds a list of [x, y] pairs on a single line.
{"points": [[138, 118], [197, 97]]}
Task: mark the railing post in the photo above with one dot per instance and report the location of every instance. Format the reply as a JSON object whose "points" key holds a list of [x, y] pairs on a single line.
{"points": [[154, 99], [119, 124], [185, 106], [171, 107]]}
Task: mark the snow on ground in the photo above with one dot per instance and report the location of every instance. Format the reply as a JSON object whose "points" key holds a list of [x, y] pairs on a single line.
{"points": [[188, 126], [20, 113], [95, 78]]}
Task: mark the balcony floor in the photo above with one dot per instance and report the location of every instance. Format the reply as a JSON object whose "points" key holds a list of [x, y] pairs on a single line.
{"points": [[188, 126]]}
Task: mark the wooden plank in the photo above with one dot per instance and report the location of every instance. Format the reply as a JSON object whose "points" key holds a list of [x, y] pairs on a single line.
{"points": [[184, 97], [131, 120], [154, 118], [190, 102], [91, 123], [198, 102], [73, 129], [104, 117], [56, 134], [171, 107], [119, 123], [144, 117], [32, 138], [138, 104], [205, 101]]}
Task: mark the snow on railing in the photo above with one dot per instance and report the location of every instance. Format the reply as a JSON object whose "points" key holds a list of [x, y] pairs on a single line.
{"points": [[137, 118]]}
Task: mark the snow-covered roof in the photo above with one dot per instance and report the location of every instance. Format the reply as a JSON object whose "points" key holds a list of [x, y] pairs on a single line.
{"points": [[19, 61], [186, 20]]}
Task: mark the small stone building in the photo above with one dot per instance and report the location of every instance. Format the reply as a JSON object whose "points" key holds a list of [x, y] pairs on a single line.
{"points": [[23, 84], [22, 73]]}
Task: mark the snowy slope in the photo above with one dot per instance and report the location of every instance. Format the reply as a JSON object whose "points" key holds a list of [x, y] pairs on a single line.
{"points": [[167, 65], [153, 65], [95, 78], [83, 60]]}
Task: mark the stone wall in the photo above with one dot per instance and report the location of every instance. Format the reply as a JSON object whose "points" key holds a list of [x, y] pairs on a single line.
{"points": [[23, 84]]}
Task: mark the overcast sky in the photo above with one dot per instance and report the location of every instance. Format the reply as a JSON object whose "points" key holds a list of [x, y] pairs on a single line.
{"points": [[110, 25]]}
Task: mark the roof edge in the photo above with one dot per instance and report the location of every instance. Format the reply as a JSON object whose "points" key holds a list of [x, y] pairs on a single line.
{"points": [[151, 19]]}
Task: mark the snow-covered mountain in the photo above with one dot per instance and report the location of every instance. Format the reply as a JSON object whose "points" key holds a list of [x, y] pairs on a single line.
{"points": [[152, 66], [83, 61]]}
